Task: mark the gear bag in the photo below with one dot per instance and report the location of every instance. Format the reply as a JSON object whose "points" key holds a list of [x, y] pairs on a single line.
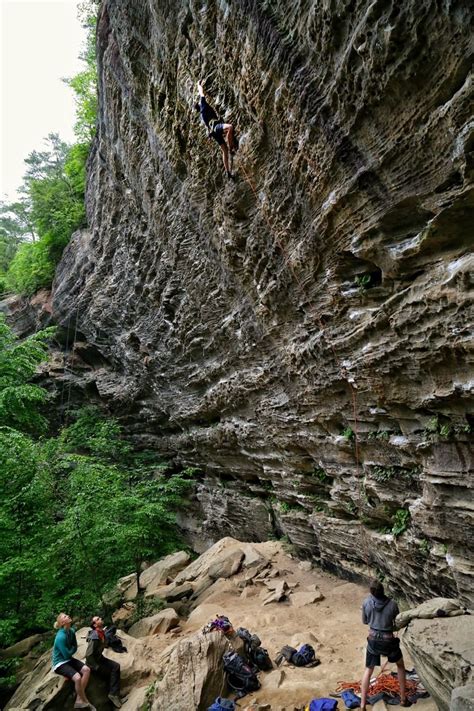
{"points": [[240, 676]]}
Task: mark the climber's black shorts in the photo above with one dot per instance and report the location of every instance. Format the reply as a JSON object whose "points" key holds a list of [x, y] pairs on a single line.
{"points": [[377, 648], [70, 668], [218, 133]]}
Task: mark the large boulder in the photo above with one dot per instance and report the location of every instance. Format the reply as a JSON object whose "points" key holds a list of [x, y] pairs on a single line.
{"points": [[42, 689], [201, 565], [160, 572], [194, 676], [462, 698], [163, 621], [442, 650]]}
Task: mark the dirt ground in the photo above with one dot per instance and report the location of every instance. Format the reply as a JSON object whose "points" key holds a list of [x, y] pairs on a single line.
{"points": [[332, 626]]}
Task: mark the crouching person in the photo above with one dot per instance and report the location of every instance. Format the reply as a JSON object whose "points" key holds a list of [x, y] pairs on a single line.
{"points": [[64, 663], [100, 665]]}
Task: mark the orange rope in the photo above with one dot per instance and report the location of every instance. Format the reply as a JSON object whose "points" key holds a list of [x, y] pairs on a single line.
{"points": [[385, 683]]}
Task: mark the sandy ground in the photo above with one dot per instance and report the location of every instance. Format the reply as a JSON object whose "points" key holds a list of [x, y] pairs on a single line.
{"points": [[332, 626]]}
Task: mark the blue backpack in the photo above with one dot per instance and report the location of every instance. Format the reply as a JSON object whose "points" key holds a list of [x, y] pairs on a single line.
{"points": [[351, 701], [304, 656], [221, 704], [323, 705]]}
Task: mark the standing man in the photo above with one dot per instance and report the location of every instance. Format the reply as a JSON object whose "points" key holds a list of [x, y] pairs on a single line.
{"points": [[101, 665], [64, 663], [379, 612], [221, 132]]}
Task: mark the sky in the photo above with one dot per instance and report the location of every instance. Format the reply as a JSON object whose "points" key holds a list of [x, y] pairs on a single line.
{"points": [[40, 43]]}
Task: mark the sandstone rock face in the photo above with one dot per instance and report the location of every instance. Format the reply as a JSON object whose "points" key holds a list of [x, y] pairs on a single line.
{"points": [[300, 333], [443, 654], [194, 676]]}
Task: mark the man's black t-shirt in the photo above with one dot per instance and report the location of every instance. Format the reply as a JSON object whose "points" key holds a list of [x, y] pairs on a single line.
{"points": [[207, 112]]}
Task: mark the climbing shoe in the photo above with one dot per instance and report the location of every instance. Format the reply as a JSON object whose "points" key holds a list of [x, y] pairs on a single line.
{"points": [[115, 700]]}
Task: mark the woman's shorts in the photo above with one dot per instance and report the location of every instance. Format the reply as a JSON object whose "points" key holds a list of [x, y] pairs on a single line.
{"points": [[218, 133], [70, 668], [377, 648]]}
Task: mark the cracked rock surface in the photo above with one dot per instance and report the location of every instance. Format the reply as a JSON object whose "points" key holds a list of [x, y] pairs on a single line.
{"points": [[300, 334]]}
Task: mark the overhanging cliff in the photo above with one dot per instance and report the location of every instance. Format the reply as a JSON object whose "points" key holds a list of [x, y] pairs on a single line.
{"points": [[300, 334]]}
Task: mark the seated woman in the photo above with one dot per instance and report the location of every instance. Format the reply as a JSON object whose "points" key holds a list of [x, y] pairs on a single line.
{"points": [[65, 645]]}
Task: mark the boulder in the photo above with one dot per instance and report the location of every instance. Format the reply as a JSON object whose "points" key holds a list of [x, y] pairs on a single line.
{"points": [[21, 648], [160, 572], [442, 651], [300, 599], [280, 593], [162, 622], [226, 565], [173, 592], [122, 616], [194, 676], [436, 607], [200, 566], [43, 689]]}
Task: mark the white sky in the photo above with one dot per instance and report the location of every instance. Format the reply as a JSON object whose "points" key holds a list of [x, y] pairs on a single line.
{"points": [[40, 44]]}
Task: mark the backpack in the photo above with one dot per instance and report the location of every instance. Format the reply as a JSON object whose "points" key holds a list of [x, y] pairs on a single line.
{"points": [[221, 623], [286, 653], [323, 705], [261, 659], [240, 677], [221, 704], [113, 641], [252, 641], [305, 656], [351, 701]]}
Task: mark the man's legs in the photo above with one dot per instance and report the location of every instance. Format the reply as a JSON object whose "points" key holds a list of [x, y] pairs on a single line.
{"points": [[85, 675], [402, 680], [365, 686], [111, 671], [225, 158], [228, 131]]}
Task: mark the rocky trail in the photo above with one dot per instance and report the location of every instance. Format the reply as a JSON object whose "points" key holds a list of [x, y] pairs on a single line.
{"points": [[170, 664]]}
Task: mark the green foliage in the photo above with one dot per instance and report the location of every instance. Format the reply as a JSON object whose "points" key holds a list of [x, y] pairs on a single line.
{"points": [[363, 281], [424, 547], [35, 229], [19, 400], [8, 669], [385, 474], [284, 506], [380, 435], [77, 510], [400, 522], [320, 474], [446, 430], [348, 433], [54, 185]]}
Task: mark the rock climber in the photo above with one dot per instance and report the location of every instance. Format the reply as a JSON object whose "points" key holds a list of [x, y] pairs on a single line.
{"points": [[64, 663], [100, 665], [221, 132], [379, 612]]}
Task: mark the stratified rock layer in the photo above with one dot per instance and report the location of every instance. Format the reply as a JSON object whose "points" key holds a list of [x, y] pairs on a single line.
{"points": [[300, 334], [443, 653]]}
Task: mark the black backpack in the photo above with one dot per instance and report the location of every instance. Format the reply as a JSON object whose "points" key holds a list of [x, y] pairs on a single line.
{"points": [[113, 641], [261, 659], [304, 657], [240, 676]]}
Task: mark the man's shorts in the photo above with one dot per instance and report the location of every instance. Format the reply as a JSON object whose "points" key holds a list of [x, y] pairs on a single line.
{"points": [[70, 668], [377, 648], [218, 133]]}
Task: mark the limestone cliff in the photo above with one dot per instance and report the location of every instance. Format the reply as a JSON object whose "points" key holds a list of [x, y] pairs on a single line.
{"points": [[300, 334]]}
